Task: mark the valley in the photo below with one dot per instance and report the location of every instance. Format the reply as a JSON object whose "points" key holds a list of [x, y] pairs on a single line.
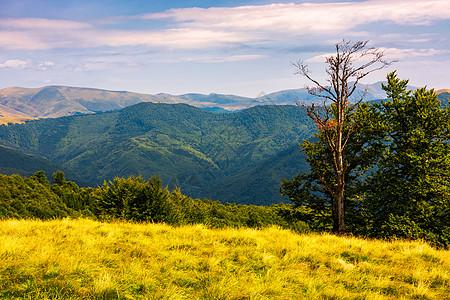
{"points": [[222, 147], [240, 157]]}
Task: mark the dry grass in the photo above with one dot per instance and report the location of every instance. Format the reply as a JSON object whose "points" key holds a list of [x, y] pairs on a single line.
{"points": [[443, 91], [84, 259], [14, 120]]}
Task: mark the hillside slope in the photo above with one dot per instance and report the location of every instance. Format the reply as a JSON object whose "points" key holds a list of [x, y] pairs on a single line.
{"points": [[15, 162], [205, 154], [444, 96], [58, 101]]}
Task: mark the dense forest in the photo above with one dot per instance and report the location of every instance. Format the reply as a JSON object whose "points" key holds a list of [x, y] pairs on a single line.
{"points": [[240, 157], [132, 199]]}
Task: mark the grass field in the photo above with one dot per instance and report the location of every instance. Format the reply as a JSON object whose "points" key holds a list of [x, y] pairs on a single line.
{"points": [[85, 259], [19, 120]]}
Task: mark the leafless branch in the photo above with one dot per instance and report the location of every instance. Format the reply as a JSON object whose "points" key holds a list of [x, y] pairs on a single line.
{"points": [[351, 63]]}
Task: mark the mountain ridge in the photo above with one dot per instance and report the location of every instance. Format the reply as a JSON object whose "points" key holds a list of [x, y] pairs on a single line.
{"points": [[56, 101], [208, 155]]}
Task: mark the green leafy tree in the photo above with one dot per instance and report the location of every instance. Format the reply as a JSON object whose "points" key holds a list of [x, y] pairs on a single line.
{"points": [[351, 63], [408, 195], [119, 198], [156, 204], [133, 198], [29, 198], [59, 178], [69, 192], [40, 177]]}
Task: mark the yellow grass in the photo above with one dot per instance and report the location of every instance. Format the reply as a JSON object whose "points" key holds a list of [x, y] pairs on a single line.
{"points": [[85, 259], [19, 120], [443, 91]]}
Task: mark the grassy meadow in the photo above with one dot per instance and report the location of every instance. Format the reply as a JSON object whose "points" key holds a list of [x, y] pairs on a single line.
{"points": [[14, 120], [85, 259]]}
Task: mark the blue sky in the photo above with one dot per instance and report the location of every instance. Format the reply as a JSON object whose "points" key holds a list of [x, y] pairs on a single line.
{"points": [[237, 47]]}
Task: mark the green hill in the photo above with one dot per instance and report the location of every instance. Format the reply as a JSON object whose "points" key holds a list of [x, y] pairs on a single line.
{"points": [[206, 154], [444, 97], [260, 181], [15, 162]]}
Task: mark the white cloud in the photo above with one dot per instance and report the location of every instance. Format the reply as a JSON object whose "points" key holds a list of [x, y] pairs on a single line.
{"points": [[411, 53], [310, 17], [195, 28], [39, 23], [26, 64], [15, 64], [43, 66], [176, 38], [390, 53]]}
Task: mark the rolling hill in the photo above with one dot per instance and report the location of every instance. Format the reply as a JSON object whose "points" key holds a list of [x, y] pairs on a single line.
{"points": [[58, 101], [444, 96], [15, 162], [240, 157]]}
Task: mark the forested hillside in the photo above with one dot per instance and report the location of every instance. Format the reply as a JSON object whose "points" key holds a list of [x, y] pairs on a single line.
{"points": [[444, 96], [131, 199], [242, 156], [15, 162]]}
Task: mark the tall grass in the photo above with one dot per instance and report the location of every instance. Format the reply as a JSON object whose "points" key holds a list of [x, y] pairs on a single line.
{"points": [[14, 120], [85, 259]]}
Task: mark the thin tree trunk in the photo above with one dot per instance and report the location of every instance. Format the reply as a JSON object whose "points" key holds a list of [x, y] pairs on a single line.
{"points": [[339, 199]]}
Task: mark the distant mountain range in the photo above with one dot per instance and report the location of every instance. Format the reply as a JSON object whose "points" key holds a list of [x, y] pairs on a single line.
{"points": [[58, 101]]}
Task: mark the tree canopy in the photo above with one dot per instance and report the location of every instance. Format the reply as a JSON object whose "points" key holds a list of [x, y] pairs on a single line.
{"points": [[398, 174], [408, 194]]}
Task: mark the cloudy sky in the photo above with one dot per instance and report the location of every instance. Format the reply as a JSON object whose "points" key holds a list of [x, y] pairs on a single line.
{"points": [[239, 47]]}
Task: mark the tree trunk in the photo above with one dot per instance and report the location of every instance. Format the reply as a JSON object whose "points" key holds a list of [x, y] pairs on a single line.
{"points": [[339, 227], [339, 215]]}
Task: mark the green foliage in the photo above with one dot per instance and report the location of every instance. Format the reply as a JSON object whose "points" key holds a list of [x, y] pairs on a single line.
{"points": [[34, 197], [132, 199], [29, 198], [397, 174], [408, 194], [307, 190], [207, 155], [40, 177], [59, 178]]}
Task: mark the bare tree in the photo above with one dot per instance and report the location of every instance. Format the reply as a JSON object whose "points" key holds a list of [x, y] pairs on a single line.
{"points": [[351, 63]]}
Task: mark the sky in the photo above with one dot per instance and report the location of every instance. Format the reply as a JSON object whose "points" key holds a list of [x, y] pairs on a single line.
{"points": [[239, 47]]}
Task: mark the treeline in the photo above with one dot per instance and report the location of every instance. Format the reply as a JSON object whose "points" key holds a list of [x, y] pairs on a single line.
{"points": [[131, 199]]}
